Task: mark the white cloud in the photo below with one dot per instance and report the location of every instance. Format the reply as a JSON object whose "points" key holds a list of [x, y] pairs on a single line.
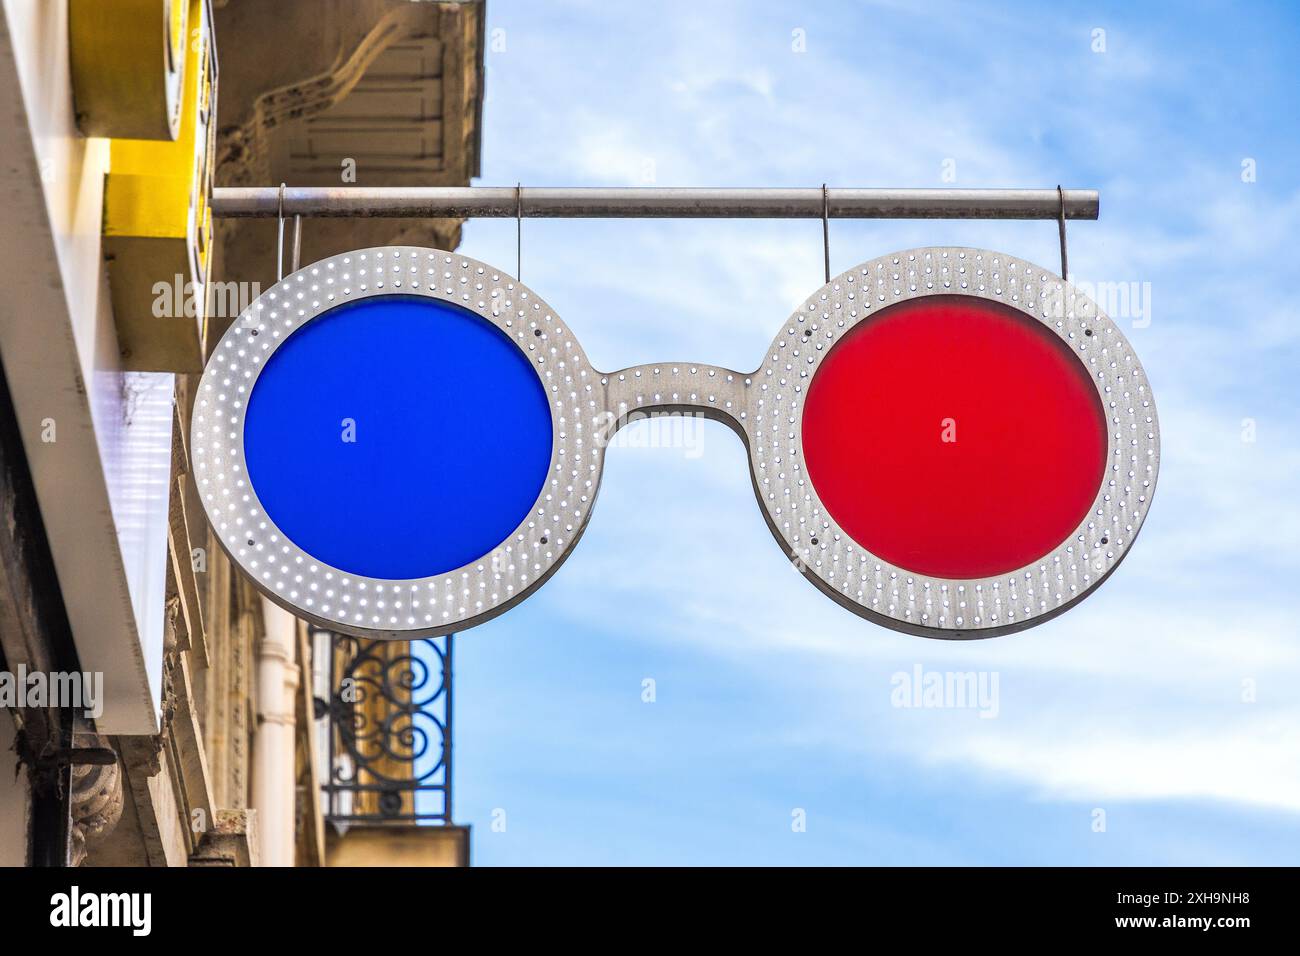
{"points": [[1238, 763]]}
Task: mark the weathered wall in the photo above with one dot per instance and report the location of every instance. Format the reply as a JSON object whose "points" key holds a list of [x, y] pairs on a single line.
{"points": [[13, 799]]}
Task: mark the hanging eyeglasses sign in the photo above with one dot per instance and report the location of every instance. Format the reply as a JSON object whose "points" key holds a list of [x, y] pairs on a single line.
{"points": [[399, 442]]}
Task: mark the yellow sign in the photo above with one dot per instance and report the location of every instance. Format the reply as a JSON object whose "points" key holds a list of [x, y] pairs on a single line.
{"points": [[128, 66], [157, 224]]}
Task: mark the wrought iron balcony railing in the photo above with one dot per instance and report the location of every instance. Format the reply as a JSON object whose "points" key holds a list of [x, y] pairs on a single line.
{"points": [[385, 712]]}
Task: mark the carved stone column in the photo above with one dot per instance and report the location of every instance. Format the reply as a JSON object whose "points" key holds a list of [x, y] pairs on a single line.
{"points": [[96, 799]]}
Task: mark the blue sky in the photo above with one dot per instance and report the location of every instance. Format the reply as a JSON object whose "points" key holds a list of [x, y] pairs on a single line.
{"points": [[771, 699]]}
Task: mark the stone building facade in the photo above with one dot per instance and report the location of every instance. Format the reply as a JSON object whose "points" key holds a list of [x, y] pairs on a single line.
{"points": [[207, 750]]}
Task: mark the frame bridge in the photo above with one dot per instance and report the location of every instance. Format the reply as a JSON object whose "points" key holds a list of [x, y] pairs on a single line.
{"points": [[677, 388]]}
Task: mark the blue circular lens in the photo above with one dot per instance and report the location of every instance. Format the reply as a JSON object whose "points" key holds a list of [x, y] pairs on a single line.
{"points": [[397, 437]]}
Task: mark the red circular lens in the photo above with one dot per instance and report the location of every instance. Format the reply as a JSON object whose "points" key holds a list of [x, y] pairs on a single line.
{"points": [[954, 437]]}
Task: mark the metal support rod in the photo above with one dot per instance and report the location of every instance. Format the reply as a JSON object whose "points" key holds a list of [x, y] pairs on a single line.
{"points": [[536, 202], [279, 235], [1060, 226], [826, 231]]}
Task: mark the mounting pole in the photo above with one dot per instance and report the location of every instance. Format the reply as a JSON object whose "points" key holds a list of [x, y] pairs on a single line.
{"points": [[540, 202]]}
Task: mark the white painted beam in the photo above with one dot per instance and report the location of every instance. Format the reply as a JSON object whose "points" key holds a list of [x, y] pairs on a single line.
{"points": [[102, 482]]}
